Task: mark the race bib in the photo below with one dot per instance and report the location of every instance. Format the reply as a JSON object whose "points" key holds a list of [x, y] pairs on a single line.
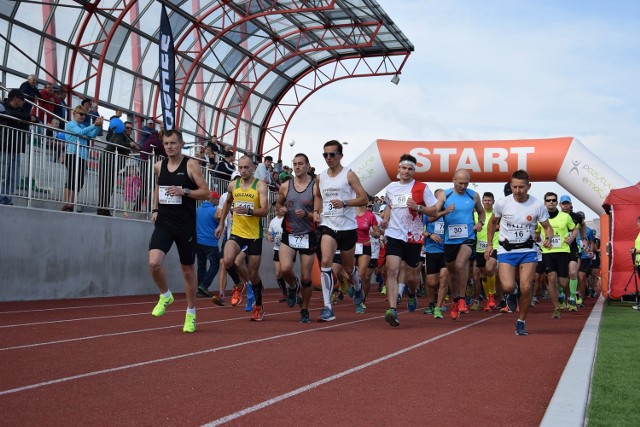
{"points": [[556, 242], [400, 201], [438, 228], [167, 199], [517, 235], [458, 231], [277, 239], [359, 249], [299, 241], [246, 205], [482, 245], [329, 210]]}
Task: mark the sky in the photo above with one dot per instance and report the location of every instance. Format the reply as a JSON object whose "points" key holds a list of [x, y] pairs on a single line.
{"points": [[494, 69]]}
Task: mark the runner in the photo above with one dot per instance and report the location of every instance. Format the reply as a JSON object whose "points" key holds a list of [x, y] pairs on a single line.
{"points": [[407, 200], [274, 235], [179, 184], [436, 268], [248, 196], [485, 270], [516, 217], [367, 230], [338, 193], [296, 199]]}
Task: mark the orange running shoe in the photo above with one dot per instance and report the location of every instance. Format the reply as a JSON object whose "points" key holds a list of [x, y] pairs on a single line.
{"points": [[455, 313], [492, 301], [487, 306], [236, 298], [462, 306], [257, 315]]}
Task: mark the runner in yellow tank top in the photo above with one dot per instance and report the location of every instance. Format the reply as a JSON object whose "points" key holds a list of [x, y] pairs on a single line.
{"points": [[248, 196]]}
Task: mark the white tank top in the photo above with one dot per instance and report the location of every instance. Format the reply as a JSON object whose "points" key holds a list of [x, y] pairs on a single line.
{"points": [[337, 187]]}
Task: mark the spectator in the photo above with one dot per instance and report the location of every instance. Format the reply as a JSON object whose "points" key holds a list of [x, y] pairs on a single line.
{"points": [[128, 134], [225, 168], [132, 184], [151, 147], [263, 171], [217, 148], [46, 103], [147, 129], [88, 106], [285, 175], [30, 92], [277, 167], [275, 180], [54, 139], [14, 134], [60, 107], [112, 159], [207, 248], [77, 149]]}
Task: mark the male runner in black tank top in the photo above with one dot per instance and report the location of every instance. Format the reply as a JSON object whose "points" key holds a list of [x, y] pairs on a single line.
{"points": [[179, 183]]}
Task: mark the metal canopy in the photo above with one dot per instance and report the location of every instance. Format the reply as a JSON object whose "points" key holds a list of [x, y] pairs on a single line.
{"points": [[243, 67]]}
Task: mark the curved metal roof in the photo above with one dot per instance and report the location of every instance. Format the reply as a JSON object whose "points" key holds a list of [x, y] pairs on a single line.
{"points": [[242, 67]]}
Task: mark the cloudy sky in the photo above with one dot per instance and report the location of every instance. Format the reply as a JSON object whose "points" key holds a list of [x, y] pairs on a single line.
{"points": [[495, 69]]}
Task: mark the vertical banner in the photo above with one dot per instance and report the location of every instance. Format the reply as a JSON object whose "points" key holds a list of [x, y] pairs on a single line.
{"points": [[167, 63]]}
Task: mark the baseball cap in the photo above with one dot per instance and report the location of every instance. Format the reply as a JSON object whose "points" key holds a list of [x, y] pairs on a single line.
{"points": [[234, 175], [565, 199], [214, 195]]}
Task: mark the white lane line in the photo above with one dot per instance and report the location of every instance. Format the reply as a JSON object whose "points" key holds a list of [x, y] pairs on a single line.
{"points": [[339, 375], [76, 307], [177, 357]]}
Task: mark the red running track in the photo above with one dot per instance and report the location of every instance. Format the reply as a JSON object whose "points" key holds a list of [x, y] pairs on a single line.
{"points": [[107, 361]]}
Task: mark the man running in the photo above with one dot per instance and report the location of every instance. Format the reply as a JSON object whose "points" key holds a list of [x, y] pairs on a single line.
{"points": [[408, 200], [338, 193], [517, 216], [179, 184], [296, 199], [460, 236], [486, 269], [248, 196]]}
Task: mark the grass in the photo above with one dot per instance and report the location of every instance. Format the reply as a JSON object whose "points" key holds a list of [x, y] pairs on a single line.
{"points": [[615, 388]]}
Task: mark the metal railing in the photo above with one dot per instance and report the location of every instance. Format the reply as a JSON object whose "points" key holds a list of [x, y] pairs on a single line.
{"points": [[40, 168]]}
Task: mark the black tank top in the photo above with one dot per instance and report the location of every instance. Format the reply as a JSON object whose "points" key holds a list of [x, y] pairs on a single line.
{"points": [[177, 217]]}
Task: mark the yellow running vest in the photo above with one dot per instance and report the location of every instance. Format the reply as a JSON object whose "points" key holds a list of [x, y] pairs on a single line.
{"points": [[247, 227]]}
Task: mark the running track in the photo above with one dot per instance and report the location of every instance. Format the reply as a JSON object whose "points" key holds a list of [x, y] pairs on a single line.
{"points": [[107, 361]]}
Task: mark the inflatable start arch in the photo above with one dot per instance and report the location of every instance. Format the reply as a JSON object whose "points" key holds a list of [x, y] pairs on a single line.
{"points": [[562, 160]]}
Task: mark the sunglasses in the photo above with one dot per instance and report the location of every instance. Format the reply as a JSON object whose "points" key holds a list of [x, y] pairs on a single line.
{"points": [[551, 200], [332, 155], [81, 114]]}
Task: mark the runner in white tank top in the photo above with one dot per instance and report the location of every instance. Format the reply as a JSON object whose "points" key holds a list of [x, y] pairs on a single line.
{"points": [[339, 191]]}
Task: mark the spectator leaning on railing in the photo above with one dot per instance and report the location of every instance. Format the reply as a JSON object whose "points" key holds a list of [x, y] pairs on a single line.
{"points": [[77, 137], [14, 131]]}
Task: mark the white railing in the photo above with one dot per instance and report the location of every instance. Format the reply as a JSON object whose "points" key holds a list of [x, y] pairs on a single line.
{"points": [[36, 167]]}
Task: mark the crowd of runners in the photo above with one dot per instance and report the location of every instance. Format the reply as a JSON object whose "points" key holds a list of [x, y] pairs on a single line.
{"points": [[455, 249]]}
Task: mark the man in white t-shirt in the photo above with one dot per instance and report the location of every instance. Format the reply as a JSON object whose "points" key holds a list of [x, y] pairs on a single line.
{"points": [[517, 215], [407, 200]]}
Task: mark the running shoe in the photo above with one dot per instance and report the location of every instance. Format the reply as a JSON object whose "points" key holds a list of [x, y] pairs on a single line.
{"points": [[326, 315], [291, 295], [412, 304], [161, 306], [593, 293], [360, 309], [299, 300], [218, 300], [391, 317], [358, 296], [189, 323], [572, 305], [561, 301], [437, 313], [202, 292], [304, 316], [487, 306], [257, 313], [334, 299], [556, 314], [250, 294], [340, 295], [475, 305], [462, 306], [351, 291], [512, 301], [429, 309], [344, 285], [399, 299], [578, 299], [535, 300], [384, 290], [505, 309], [520, 330], [455, 311], [492, 301], [236, 298]]}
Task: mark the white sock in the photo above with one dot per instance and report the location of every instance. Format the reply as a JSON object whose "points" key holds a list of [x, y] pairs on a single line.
{"points": [[191, 310], [355, 279], [326, 278], [401, 287], [167, 294]]}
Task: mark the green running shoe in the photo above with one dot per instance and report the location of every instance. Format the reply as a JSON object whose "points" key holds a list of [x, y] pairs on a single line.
{"points": [[189, 323], [162, 305]]}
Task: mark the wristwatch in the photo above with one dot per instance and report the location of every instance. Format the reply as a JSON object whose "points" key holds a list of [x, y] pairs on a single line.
{"points": [[345, 203], [186, 191]]}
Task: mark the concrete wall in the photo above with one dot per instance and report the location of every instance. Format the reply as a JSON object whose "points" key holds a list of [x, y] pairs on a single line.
{"points": [[47, 254]]}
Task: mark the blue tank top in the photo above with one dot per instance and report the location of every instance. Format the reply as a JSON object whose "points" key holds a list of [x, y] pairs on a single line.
{"points": [[458, 225], [437, 227]]}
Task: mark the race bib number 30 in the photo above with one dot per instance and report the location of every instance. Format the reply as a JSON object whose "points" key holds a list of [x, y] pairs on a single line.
{"points": [[458, 231], [167, 199]]}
